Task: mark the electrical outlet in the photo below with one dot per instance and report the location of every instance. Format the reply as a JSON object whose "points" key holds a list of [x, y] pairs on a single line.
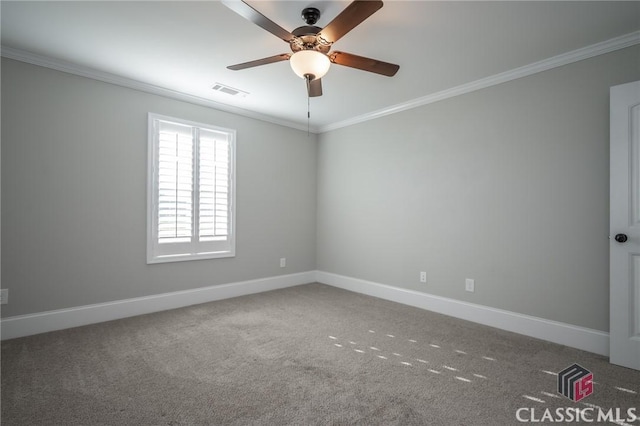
{"points": [[470, 285], [4, 296], [283, 262], [423, 277]]}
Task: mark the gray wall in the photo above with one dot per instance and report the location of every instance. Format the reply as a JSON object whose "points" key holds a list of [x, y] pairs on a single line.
{"points": [[508, 185], [74, 164]]}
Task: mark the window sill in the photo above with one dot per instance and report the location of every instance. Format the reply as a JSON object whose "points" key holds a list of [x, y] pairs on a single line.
{"points": [[188, 256]]}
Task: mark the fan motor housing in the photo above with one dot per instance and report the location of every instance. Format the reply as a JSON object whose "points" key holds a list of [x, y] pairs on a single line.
{"points": [[307, 39]]}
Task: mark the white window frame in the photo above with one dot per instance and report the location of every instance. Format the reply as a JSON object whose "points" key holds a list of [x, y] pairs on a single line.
{"points": [[193, 250]]}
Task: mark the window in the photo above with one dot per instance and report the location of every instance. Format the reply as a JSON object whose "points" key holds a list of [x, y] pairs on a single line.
{"points": [[191, 191]]}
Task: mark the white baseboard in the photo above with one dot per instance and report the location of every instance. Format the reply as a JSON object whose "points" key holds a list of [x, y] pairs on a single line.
{"points": [[565, 334], [26, 325], [577, 337]]}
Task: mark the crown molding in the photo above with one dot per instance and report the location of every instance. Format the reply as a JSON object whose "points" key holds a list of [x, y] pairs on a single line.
{"points": [[71, 68], [587, 52]]}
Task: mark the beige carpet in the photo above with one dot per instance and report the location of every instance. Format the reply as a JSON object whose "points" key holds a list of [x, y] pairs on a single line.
{"points": [[306, 355]]}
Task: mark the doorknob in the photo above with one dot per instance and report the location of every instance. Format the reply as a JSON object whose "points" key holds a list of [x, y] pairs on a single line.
{"points": [[621, 238]]}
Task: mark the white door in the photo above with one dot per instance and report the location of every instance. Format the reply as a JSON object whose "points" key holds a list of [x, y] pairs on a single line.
{"points": [[625, 226]]}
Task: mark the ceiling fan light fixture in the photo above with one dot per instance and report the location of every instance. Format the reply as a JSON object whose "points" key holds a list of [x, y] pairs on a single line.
{"points": [[310, 63]]}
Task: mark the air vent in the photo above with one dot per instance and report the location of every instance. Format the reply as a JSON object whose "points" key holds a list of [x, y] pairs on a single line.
{"points": [[229, 90]]}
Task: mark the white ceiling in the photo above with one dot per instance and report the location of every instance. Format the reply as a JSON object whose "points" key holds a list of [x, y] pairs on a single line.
{"points": [[185, 47]]}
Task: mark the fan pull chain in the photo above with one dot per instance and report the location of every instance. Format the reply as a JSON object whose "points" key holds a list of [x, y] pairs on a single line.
{"points": [[308, 114], [308, 79]]}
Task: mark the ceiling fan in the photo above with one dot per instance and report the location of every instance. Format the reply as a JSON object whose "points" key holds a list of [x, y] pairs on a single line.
{"points": [[311, 45]]}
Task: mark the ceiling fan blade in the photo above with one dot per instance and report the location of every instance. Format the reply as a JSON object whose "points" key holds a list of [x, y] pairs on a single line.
{"points": [[348, 19], [248, 12], [258, 62], [314, 87], [365, 64]]}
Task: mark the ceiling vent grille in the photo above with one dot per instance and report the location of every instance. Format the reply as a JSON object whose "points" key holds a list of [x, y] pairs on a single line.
{"points": [[230, 90]]}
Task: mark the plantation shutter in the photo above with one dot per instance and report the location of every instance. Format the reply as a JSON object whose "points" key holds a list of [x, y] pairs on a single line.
{"points": [[191, 192], [213, 189], [175, 183]]}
